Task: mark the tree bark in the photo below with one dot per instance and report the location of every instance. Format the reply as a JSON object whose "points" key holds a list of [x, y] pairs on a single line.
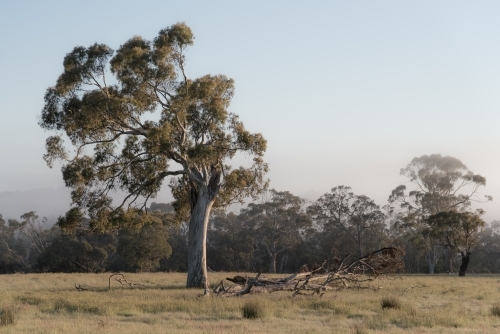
{"points": [[360, 245], [465, 263], [197, 253], [448, 261], [284, 259], [431, 267], [272, 263]]}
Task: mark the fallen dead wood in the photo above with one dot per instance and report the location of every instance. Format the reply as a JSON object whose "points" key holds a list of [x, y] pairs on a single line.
{"points": [[342, 274], [122, 281], [82, 287]]}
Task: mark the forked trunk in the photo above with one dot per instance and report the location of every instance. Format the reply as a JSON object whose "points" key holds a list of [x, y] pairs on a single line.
{"points": [[197, 237], [465, 263]]}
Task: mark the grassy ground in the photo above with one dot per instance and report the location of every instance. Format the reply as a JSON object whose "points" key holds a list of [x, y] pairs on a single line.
{"points": [[49, 303]]}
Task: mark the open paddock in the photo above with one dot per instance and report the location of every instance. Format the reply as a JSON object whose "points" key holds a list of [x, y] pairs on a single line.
{"points": [[49, 303]]}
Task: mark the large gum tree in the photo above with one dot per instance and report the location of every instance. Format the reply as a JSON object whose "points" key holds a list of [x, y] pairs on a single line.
{"points": [[134, 120], [440, 184]]}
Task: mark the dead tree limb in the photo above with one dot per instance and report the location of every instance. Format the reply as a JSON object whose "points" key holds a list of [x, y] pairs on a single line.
{"points": [[82, 287], [383, 262], [122, 281]]}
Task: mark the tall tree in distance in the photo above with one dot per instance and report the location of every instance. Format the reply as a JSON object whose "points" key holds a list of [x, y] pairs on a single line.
{"points": [[148, 124], [440, 184]]}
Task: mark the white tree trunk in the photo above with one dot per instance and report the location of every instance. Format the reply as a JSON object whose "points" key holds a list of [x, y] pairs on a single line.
{"points": [[431, 267], [272, 263], [197, 250]]}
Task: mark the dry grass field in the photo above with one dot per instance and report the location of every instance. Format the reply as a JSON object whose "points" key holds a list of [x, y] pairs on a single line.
{"points": [[49, 303]]}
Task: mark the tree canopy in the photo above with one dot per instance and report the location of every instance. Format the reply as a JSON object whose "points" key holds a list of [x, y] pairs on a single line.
{"points": [[134, 119], [441, 184], [343, 212], [459, 231]]}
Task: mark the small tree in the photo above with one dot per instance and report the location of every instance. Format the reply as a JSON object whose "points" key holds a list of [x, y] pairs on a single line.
{"points": [[458, 231], [192, 137]]}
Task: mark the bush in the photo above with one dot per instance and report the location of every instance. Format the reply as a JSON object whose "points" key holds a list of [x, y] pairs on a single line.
{"points": [[253, 310], [495, 310], [7, 316], [391, 302]]}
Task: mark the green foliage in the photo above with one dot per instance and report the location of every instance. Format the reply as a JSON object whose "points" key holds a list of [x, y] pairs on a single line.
{"points": [[355, 219], [458, 230], [230, 243], [277, 223], [442, 184], [144, 249], [193, 129], [11, 248], [70, 254]]}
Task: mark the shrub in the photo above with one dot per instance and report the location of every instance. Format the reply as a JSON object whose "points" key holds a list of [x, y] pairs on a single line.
{"points": [[253, 310], [495, 310], [7, 316], [390, 302]]}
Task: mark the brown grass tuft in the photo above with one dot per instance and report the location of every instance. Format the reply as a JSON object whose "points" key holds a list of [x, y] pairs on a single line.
{"points": [[7, 316], [253, 310], [390, 302], [495, 310]]}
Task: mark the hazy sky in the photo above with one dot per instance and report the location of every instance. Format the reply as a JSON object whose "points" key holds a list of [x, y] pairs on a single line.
{"points": [[345, 92]]}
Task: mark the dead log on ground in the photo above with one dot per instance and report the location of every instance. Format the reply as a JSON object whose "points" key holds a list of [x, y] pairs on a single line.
{"points": [[385, 261]]}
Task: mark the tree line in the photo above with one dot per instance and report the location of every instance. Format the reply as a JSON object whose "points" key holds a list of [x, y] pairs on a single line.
{"points": [[282, 233]]}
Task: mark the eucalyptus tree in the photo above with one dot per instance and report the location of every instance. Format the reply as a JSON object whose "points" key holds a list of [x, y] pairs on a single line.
{"points": [[33, 229], [72, 254], [277, 223], [144, 249], [354, 215], [146, 125], [230, 242], [459, 231], [487, 251], [440, 184], [11, 249]]}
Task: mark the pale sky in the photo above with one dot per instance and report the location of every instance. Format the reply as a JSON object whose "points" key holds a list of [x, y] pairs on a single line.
{"points": [[345, 92]]}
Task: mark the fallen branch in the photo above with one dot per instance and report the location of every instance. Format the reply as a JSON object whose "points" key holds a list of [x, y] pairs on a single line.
{"points": [[122, 281], [82, 287], [383, 262]]}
